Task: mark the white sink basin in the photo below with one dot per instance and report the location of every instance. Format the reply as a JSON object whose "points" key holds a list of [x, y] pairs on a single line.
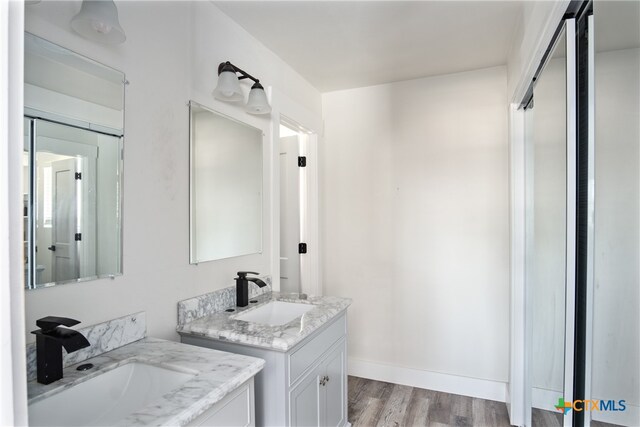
{"points": [[275, 313], [106, 398]]}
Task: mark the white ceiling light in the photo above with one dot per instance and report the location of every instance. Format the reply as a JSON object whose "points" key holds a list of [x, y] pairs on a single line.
{"points": [[98, 21], [228, 89]]}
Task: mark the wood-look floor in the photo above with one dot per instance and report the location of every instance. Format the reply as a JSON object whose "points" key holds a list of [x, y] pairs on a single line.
{"points": [[541, 418], [379, 404], [376, 403]]}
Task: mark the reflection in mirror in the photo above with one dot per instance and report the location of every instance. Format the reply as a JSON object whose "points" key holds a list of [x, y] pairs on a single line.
{"points": [[61, 85], [615, 370], [76, 203], [226, 186], [546, 235], [72, 166]]}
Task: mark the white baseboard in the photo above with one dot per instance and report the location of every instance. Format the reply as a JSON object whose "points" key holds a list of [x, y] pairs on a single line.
{"points": [[544, 399], [465, 386]]}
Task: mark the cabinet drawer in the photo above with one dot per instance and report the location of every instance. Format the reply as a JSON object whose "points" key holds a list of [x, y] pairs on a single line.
{"points": [[301, 359]]}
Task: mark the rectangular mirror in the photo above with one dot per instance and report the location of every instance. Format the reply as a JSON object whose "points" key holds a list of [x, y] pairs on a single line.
{"points": [[550, 237], [74, 109], [225, 186]]}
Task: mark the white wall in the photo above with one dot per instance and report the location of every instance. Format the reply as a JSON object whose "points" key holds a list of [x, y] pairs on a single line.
{"points": [[170, 56], [414, 206]]}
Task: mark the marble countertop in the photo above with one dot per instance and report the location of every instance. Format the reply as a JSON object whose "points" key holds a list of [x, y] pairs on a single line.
{"points": [[223, 325], [218, 373]]}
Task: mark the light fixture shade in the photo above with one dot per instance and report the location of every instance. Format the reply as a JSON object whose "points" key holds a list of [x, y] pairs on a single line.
{"points": [[98, 21], [228, 88], [258, 102]]}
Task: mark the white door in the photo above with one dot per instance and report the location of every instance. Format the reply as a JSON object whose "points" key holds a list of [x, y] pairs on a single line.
{"points": [[289, 214], [64, 221], [51, 157]]}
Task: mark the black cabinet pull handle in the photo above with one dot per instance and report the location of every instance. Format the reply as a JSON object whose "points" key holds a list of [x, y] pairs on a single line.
{"points": [[52, 248]]}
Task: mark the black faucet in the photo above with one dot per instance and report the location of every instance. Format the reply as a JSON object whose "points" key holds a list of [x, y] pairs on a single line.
{"points": [[50, 339], [242, 287]]}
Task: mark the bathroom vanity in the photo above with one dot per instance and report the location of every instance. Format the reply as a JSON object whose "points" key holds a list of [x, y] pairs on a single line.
{"points": [[303, 341], [125, 378], [151, 382]]}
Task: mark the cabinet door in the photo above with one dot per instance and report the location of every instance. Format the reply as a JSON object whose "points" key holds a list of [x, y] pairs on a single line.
{"points": [[335, 387], [235, 409], [305, 400]]}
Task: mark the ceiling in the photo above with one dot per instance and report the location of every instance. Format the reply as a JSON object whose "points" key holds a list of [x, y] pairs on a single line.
{"points": [[345, 44]]}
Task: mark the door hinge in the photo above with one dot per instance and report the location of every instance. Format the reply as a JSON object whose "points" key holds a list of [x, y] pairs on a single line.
{"points": [[302, 248], [78, 175], [302, 161], [78, 237]]}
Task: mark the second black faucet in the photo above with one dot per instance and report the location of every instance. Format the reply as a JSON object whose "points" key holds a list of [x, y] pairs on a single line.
{"points": [[242, 287]]}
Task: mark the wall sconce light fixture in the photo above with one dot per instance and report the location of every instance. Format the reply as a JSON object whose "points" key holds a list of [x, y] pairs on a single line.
{"points": [[98, 21], [228, 89]]}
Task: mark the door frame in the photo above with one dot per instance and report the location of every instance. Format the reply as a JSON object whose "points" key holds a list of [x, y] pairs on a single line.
{"points": [[309, 282], [291, 112], [13, 387], [518, 398], [570, 257], [591, 137]]}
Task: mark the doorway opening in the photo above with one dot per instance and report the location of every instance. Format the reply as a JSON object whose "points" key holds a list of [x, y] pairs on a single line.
{"points": [[293, 154]]}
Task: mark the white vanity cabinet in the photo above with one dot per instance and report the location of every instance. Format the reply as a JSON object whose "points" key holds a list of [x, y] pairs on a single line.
{"points": [[304, 386], [318, 399], [235, 409]]}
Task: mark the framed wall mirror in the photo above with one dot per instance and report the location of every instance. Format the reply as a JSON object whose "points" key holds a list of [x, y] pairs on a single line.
{"points": [[72, 162], [225, 186]]}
